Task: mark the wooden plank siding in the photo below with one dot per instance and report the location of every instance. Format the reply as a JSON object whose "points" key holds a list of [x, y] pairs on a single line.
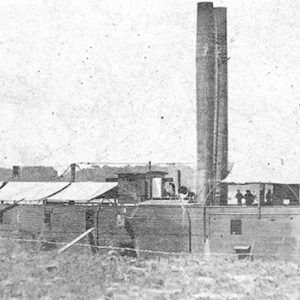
{"points": [[273, 231], [161, 227], [155, 227]]}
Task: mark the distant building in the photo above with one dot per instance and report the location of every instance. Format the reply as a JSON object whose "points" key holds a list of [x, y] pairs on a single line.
{"points": [[28, 173]]}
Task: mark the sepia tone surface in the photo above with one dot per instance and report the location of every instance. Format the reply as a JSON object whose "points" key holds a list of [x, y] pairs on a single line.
{"points": [[118, 127]]}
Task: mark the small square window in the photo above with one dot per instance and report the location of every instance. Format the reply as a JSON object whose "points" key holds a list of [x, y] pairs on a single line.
{"points": [[236, 227]]}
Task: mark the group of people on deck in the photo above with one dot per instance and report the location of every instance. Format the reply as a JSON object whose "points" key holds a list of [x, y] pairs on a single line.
{"points": [[249, 198]]}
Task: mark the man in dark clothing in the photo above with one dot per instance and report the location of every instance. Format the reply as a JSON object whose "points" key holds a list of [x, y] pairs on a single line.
{"points": [[239, 196], [249, 198], [269, 197]]}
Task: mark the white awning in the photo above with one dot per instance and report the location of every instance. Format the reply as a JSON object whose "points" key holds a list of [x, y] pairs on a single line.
{"points": [[29, 191], [272, 173], [83, 191]]}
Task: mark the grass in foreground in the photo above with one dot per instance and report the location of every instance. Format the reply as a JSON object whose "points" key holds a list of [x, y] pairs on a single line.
{"points": [[24, 275]]}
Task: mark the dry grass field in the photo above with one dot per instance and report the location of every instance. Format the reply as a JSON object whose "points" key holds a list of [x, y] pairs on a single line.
{"points": [[40, 275]]}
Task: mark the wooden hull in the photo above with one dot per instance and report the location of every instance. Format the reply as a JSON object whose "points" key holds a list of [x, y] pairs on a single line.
{"points": [[162, 227]]}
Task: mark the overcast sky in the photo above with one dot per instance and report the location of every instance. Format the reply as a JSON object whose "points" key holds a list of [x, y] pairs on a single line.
{"points": [[115, 81]]}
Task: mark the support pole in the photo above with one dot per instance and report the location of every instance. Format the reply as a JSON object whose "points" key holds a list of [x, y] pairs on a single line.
{"points": [[73, 172], [72, 243], [178, 180], [150, 180], [16, 172]]}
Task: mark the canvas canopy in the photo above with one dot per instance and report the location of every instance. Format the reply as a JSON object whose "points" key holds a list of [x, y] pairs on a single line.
{"points": [[83, 191], [272, 173], [34, 192], [29, 191]]}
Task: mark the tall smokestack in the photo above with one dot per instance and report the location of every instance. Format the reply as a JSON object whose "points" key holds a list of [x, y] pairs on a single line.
{"points": [[221, 106], [205, 85]]}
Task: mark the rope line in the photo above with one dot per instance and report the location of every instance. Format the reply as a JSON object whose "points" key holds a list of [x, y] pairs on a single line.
{"points": [[136, 163], [153, 251]]}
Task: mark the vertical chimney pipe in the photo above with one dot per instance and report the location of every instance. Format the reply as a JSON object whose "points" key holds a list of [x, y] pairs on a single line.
{"points": [[221, 163], [205, 87]]}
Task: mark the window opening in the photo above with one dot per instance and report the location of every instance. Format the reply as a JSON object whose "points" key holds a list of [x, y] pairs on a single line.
{"points": [[236, 227]]}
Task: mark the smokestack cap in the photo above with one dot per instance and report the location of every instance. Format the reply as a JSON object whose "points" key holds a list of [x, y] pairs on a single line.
{"points": [[206, 4]]}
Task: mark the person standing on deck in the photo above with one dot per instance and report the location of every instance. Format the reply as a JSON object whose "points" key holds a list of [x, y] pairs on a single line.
{"points": [[239, 196], [269, 197], [249, 198]]}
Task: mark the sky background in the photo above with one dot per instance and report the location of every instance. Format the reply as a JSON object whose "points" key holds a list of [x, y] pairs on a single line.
{"points": [[114, 80]]}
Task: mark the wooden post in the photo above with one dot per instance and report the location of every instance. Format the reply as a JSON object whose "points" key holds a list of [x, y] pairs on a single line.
{"points": [[72, 243], [150, 180], [178, 180], [16, 172], [262, 187], [73, 172]]}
